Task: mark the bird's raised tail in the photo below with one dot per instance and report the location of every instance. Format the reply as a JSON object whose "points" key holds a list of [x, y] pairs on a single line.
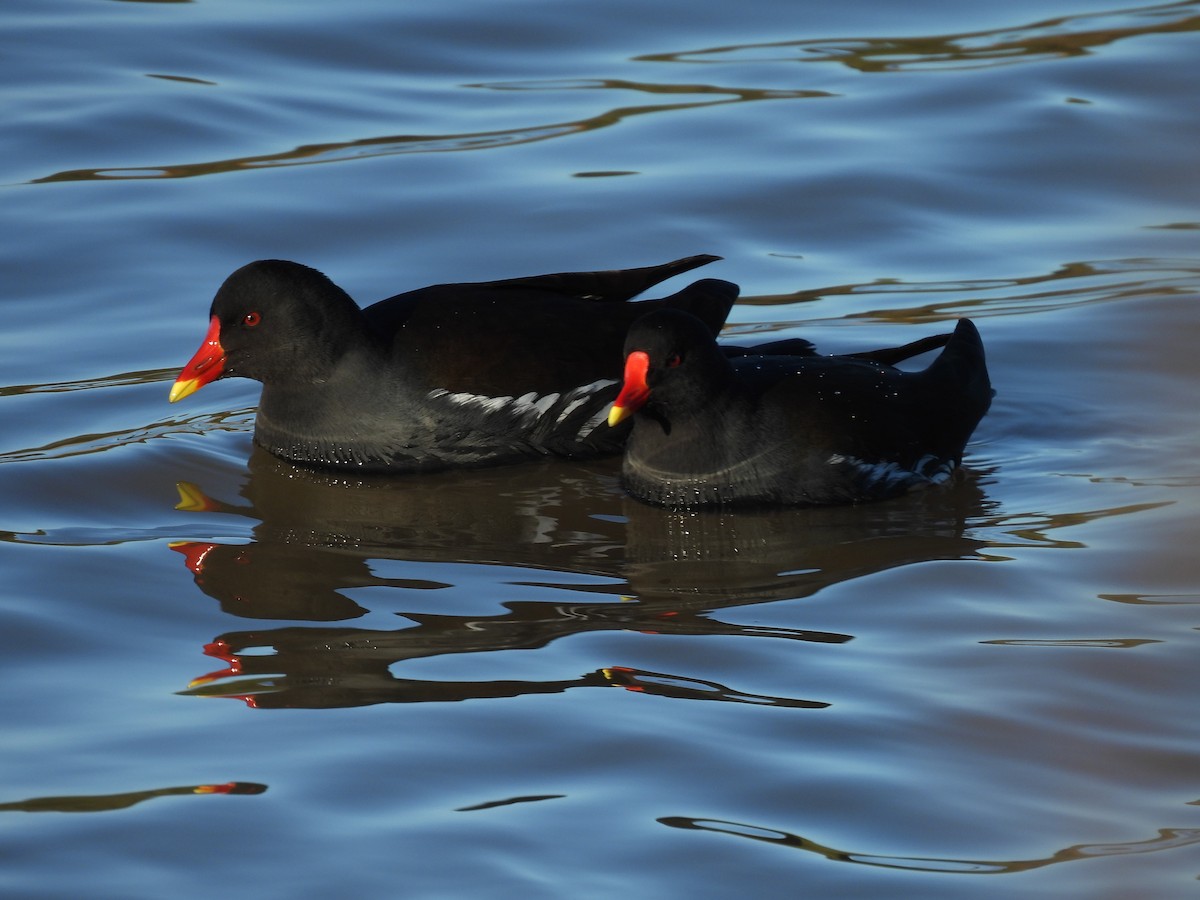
{"points": [[959, 376], [964, 360]]}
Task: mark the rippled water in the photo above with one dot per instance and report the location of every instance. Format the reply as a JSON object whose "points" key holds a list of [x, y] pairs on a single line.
{"points": [[490, 683]]}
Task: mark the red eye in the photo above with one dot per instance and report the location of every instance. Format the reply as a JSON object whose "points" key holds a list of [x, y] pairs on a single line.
{"points": [[674, 361], [251, 319]]}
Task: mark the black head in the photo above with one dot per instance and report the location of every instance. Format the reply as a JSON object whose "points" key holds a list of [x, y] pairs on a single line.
{"points": [[273, 320], [280, 318], [672, 365]]}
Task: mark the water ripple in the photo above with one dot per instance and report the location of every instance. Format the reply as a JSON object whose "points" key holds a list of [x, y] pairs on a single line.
{"points": [[399, 144], [241, 420], [1048, 39], [1071, 285], [124, 379], [1167, 839]]}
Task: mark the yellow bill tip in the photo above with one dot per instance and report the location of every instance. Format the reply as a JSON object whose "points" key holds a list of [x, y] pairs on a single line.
{"points": [[183, 388], [617, 415]]}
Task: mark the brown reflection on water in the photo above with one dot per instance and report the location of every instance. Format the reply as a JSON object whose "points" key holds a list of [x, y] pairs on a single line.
{"points": [[1056, 38], [722, 559], [1071, 285], [1034, 529], [509, 801], [400, 144], [1167, 839], [1154, 599], [145, 376], [329, 528], [109, 802], [565, 528], [1086, 643], [306, 680]]}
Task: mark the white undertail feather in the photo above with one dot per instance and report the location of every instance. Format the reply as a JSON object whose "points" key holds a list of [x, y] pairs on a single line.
{"points": [[530, 406], [929, 468]]}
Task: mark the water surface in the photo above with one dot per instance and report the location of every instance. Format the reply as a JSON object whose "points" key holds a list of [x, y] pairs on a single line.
{"points": [[222, 670]]}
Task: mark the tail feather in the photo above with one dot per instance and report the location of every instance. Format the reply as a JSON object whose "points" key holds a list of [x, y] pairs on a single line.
{"points": [[889, 356], [960, 377], [785, 347], [611, 286]]}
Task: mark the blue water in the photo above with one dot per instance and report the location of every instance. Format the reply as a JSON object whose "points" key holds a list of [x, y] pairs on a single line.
{"points": [[518, 682]]}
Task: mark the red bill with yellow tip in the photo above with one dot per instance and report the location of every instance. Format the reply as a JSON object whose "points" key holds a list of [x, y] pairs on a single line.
{"points": [[207, 364], [634, 392]]}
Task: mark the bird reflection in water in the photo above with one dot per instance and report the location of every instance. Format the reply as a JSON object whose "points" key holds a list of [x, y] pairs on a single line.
{"points": [[608, 563]]}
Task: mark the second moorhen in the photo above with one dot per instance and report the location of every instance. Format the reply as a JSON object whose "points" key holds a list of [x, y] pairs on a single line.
{"points": [[791, 429]]}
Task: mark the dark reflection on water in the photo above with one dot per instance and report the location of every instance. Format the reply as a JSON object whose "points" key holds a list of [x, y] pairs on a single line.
{"points": [[1167, 839], [147, 376], [398, 144], [1033, 529], [537, 516], [1087, 643], [508, 801], [335, 669], [110, 802], [725, 559], [1154, 599], [1086, 283], [1054, 38], [319, 537]]}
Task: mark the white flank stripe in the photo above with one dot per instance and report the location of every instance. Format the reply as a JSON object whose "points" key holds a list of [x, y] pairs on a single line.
{"points": [[580, 395], [526, 404], [594, 422], [531, 405], [570, 408]]}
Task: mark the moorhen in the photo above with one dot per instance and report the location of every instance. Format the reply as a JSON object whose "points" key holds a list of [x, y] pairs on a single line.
{"points": [[445, 376], [791, 429]]}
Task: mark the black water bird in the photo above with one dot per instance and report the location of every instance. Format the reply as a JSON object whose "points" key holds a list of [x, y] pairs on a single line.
{"points": [[445, 376], [791, 429]]}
